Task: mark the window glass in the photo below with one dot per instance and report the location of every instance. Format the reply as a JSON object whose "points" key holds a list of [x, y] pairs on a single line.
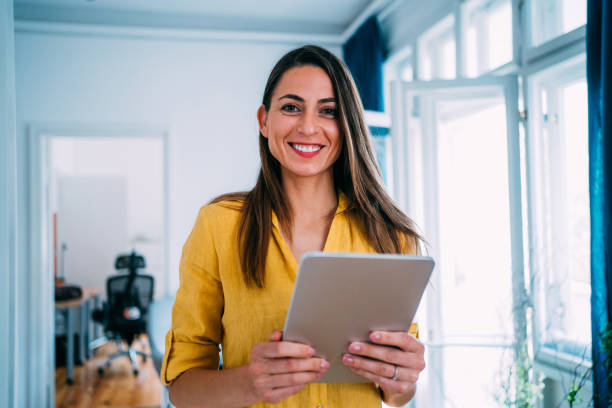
{"points": [[382, 145], [552, 18], [466, 169], [560, 207], [487, 36], [437, 51]]}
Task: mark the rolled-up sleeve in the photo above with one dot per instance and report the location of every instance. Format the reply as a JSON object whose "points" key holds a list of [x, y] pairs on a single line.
{"points": [[195, 335]]}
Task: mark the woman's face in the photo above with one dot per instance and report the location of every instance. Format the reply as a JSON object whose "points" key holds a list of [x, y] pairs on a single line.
{"points": [[302, 123]]}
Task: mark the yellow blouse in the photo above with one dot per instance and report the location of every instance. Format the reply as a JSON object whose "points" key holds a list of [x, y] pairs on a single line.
{"points": [[213, 305]]}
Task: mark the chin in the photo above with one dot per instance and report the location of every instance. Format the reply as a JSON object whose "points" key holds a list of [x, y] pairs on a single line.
{"points": [[306, 172]]}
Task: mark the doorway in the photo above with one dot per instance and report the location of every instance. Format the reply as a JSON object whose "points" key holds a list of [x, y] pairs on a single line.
{"points": [[96, 192]]}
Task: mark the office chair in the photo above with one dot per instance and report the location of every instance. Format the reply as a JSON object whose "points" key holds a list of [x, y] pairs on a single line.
{"points": [[126, 309]]}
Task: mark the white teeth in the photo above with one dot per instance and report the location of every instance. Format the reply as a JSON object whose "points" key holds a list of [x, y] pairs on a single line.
{"points": [[306, 148]]}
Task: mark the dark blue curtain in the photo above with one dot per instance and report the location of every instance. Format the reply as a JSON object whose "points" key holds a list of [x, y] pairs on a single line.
{"points": [[363, 54], [599, 77]]}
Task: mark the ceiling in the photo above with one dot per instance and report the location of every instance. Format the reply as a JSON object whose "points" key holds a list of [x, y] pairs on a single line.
{"points": [[321, 17]]}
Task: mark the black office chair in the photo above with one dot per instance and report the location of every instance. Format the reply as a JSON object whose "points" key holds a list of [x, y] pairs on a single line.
{"points": [[126, 309]]}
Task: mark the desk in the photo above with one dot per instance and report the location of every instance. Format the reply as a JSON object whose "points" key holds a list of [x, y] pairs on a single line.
{"points": [[67, 308]]}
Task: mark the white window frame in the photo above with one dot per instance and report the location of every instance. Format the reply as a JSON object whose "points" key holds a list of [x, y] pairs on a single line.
{"points": [[532, 54], [404, 176], [555, 364]]}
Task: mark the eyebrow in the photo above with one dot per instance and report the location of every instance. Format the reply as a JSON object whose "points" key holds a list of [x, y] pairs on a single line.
{"points": [[300, 99]]}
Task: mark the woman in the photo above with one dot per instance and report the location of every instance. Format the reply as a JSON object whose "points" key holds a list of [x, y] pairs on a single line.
{"points": [[319, 188]]}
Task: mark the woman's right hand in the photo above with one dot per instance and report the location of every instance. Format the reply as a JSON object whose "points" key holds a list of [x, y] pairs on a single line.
{"points": [[279, 369]]}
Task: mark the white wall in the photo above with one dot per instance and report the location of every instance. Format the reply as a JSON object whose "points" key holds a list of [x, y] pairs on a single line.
{"points": [[205, 93]]}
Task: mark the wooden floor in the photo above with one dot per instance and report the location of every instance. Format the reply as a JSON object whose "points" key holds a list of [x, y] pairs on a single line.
{"points": [[118, 387]]}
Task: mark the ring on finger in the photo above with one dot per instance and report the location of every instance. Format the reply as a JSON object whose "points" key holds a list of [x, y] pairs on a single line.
{"points": [[395, 373]]}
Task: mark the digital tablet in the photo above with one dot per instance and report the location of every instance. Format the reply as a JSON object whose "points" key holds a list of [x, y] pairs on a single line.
{"points": [[342, 297]]}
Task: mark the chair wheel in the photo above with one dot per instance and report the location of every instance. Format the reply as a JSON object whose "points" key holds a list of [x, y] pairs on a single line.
{"points": [[100, 370], [69, 381], [135, 371]]}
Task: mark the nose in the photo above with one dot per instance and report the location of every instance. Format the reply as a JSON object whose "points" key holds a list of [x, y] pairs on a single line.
{"points": [[307, 124]]}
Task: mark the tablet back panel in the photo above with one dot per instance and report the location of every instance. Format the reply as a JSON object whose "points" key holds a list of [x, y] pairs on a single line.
{"points": [[339, 298]]}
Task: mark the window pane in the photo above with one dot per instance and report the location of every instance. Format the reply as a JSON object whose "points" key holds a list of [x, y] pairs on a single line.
{"points": [[473, 284], [488, 35], [474, 218], [381, 142], [552, 18], [560, 208], [500, 34], [574, 124], [436, 51], [485, 382], [448, 67]]}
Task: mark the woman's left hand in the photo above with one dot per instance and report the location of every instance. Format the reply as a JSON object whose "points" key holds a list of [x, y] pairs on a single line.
{"points": [[393, 362]]}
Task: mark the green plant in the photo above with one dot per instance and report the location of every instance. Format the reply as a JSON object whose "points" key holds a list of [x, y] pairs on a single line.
{"points": [[521, 388]]}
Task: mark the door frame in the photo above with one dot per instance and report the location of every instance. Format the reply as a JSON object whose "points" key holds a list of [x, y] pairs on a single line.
{"points": [[41, 327]]}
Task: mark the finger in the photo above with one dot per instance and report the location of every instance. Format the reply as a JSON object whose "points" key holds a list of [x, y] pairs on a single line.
{"points": [[276, 335], [388, 384], [383, 353], [280, 349], [290, 379], [292, 365], [276, 395], [373, 366], [402, 340]]}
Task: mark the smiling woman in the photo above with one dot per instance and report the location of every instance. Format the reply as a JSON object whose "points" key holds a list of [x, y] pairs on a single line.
{"points": [[319, 188]]}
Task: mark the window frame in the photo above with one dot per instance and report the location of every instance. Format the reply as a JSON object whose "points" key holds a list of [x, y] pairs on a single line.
{"points": [[527, 60], [568, 59], [405, 176]]}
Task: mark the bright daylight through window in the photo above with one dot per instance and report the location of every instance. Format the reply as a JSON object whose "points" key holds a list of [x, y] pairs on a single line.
{"points": [[502, 197]]}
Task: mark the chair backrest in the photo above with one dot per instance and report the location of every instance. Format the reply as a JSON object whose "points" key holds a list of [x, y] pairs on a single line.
{"points": [[125, 291], [131, 262]]}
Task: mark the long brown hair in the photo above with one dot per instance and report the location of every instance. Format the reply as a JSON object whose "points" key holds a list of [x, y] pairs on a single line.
{"points": [[356, 174]]}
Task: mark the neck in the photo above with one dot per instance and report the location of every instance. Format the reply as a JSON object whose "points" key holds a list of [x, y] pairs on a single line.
{"points": [[310, 197]]}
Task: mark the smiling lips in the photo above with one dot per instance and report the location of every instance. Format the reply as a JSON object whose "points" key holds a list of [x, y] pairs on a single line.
{"points": [[306, 150]]}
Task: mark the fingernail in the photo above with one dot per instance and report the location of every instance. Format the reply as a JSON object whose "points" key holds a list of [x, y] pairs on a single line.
{"points": [[324, 364], [355, 347], [311, 351], [376, 336], [319, 374], [348, 359]]}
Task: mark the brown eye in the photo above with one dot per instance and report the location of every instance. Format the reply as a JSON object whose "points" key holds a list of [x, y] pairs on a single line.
{"points": [[333, 112], [290, 108]]}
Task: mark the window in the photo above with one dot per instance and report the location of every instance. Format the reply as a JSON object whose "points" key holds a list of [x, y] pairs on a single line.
{"points": [[560, 209], [485, 183], [487, 35], [378, 124], [436, 51], [552, 18], [382, 145], [464, 137]]}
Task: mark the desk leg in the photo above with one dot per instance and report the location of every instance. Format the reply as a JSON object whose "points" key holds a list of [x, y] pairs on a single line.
{"points": [[82, 332], [70, 345]]}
